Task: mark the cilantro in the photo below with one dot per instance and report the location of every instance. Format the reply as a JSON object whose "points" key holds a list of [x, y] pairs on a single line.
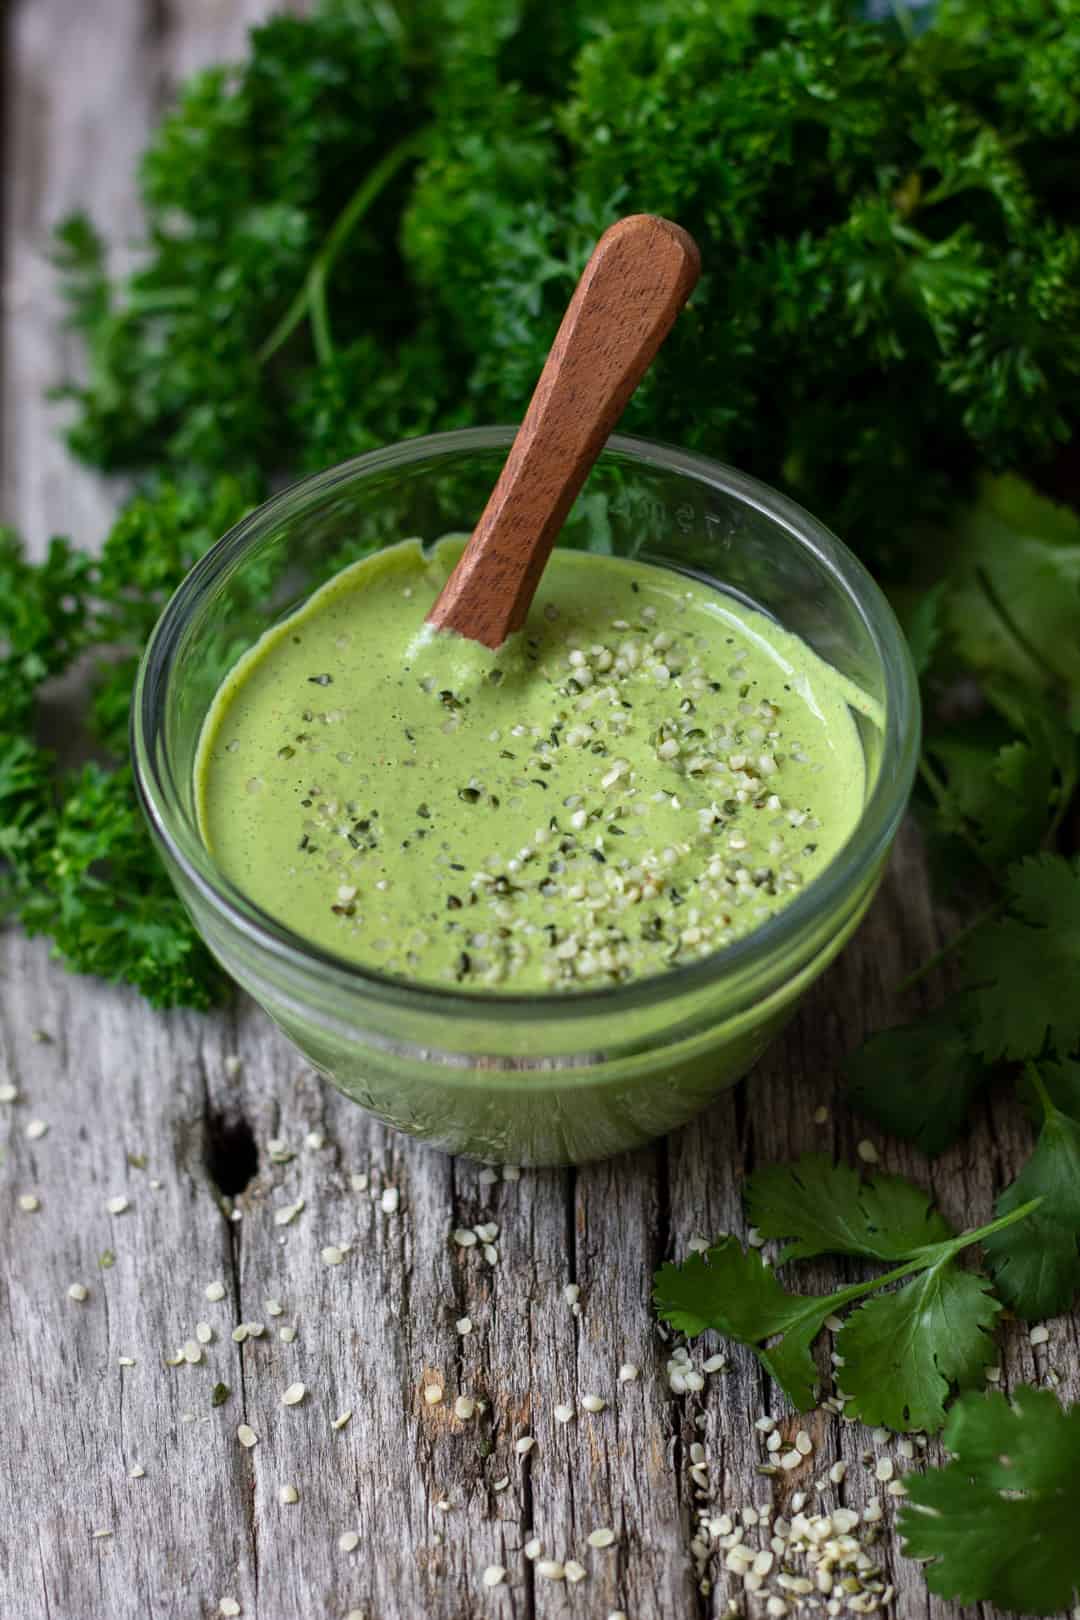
{"points": [[1027, 966], [219, 1394], [733, 1291], [919, 1080], [1014, 593], [998, 1524], [903, 1351], [836, 1211], [1036, 1266]]}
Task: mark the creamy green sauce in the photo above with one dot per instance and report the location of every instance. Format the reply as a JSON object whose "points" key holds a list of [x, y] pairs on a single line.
{"points": [[643, 774]]}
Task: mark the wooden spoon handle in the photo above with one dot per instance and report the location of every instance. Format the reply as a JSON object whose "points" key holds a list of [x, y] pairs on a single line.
{"points": [[640, 274]]}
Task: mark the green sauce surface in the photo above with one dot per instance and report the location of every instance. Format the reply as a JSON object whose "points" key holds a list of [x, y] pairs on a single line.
{"points": [[643, 774]]}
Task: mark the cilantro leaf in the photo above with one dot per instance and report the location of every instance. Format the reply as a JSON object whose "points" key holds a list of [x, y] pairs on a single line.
{"points": [[735, 1292], [1036, 1265], [919, 1080], [1028, 964], [1014, 600], [928, 1335], [903, 1351], [831, 1209], [999, 1522], [923, 627]]}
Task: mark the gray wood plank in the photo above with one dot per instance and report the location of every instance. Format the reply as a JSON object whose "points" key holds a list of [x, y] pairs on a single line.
{"points": [[202, 1098]]}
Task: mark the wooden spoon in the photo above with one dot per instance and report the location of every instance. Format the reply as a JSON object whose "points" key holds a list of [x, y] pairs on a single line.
{"points": [[640, 275]]}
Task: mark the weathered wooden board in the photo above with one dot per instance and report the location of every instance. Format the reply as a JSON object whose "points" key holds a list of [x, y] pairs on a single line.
{"points": [[157, 1110]]}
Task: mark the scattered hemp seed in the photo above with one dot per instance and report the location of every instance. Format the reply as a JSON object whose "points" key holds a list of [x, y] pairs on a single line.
{"points": [[574, 1571], [219, 1394], [288, 1494], [837, 1473], [101, 1535], [247, 1436], [28, 1203], [551, 1570], [867, 1152], [117, 1206], [255, 1329], [501, 1484], [511, 1172], [288, 1212], [342, 1418], [1039, 1335], [464, 1325], [348, 1541], [593, 1403], [433, 1394], [564, 1413], [524, 1445], [286, 1334], [273, 1307], [358, 1181], [125, 1361], [204, 1332], [78, 1292], [883, 1468], [215, 1291], [315, 1140], [571, 1293], [487, 1231], [532, 1548], [464, 1408], [715, 1364], [803, 1443], [36, 1129], [464, 1238], [192, 1352], [9, 1094], [790, 1460], [491, 1253], [332, 1255], [232, 1065], [494, 1575], [229, 1606], [138, 1472], [821, 1115], [601, 1538], [628, 1372], [294, 1395], [239, 1333], [390, 1200]]}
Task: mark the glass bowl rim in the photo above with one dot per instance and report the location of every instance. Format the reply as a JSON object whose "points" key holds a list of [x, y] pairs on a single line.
{"points": [[868, 842]]}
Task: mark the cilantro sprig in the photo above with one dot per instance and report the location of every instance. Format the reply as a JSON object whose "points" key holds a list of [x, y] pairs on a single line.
{"points": [[998, 1524], [902, 1352], [918, 1080]]}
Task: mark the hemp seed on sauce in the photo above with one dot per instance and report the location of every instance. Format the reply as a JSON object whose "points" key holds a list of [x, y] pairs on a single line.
{"points": [[646, 772]]}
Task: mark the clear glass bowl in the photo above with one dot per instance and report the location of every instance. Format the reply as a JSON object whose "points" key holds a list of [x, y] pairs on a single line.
{"points": [[527, 1079]]}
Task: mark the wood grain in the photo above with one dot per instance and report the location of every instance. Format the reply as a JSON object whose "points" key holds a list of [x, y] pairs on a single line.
{"points": [[157, 1109], [639, 276]]}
